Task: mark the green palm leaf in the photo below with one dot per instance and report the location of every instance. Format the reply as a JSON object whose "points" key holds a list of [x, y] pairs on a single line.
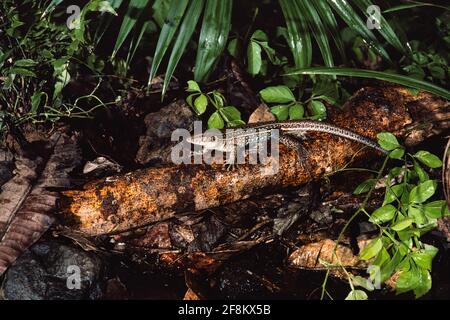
{"points": [[330, 23], [299, 37], [385, 76], [184, 35], [135, 9], [168, 30], [213, 37], [386, 30], [351, 18], [318, 30]]}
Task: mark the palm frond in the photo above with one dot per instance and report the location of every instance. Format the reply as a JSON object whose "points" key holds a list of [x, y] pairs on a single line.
{"points": [[213, 37], [318, 30], [352, 19], [135, 9], [184, 35], [330, 23], [386, 30], [385, 76], [298, 35], [168, 30]]}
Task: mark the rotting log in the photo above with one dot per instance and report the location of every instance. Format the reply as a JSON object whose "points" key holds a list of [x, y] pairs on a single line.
{"points": [[122, 202]]}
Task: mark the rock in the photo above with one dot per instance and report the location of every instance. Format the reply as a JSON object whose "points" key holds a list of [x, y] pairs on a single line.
{"points": [[49, 271], [156, 146]]}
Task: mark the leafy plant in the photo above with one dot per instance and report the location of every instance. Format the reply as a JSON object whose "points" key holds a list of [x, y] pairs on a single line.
{"points": [[224, 114], [407, 213]]}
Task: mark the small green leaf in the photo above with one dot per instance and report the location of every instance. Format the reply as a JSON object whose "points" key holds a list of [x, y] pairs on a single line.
{"points": [[371, 250], [357, 295], [296, 111], [407, 280], [387, 141], [428, 159], [277, 94], [417, 214], [424, 258], [281, 112], [365, 283], [365, 186], [215, 121], [423, 176], [383, 214], [200, 104], [230, 113], [25, 63], [23, 72], [435, 209], [403, 224], [36, 101], [397, 153], [424, 284], [259, 35], [422, 192], [189, 100], [193, 86], [393, 193], [254, 60], [317, 108]]}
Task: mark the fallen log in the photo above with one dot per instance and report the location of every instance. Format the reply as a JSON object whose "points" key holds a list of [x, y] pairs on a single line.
{"points": [[122, 202]]}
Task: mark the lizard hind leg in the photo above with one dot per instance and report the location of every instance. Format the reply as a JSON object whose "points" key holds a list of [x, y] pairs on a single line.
{"points": [[293, 142]]}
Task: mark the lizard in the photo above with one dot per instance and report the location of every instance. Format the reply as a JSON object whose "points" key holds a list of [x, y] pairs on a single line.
{"points": [[290, 134]]}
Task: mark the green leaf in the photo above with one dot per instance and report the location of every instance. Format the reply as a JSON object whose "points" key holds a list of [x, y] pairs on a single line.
{"points": [[387, 141], [423, 176], [397, 153], [296, 111], [385, 76], [259, 35], [318, 29], [281, 112], [317, 108], [200, 104], [36, 101], [435, 209], [357, 295], [428, 159], [22, 72], [424, 284], [25, 63], [408, 280], [254, 60], [161, 10], [371, 250], [230, 113], [215, 121], [193, 86], [331, 25], [422, 192], [417, 214], [424, 257], [299, 39], [176, 12], [187, 28], [277, 94], [393, 193], [403, 224], [351, 18], [213, 37], [386, 30], [365, 186], [383, 214], [233, 47], [365, 283]]}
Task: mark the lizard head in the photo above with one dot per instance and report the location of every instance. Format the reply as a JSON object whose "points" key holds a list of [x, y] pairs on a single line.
{"points": [[211, 141]]}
